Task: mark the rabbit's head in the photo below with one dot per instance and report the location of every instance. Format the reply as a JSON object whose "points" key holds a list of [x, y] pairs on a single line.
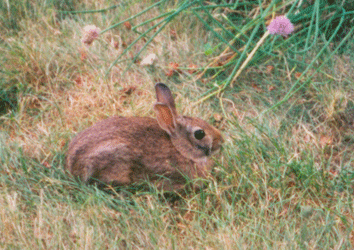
{"points": [[194, 138]]}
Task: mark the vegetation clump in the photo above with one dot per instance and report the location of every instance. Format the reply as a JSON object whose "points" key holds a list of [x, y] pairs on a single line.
{"points": [[284, 102]]}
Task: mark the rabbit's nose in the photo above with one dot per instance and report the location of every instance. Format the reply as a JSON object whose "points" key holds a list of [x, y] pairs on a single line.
{"points": [[217, 143], [219, 140], [222, 140]]}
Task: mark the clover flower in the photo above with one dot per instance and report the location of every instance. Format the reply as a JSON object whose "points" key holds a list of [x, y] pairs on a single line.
{"points": [[149, 60], [281, 25], [90, 33]]}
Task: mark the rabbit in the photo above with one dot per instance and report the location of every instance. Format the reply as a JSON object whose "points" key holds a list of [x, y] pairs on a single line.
{"points": [[120, 151]]}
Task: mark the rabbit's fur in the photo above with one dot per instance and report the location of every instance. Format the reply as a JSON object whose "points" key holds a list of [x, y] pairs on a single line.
{"points": [[124, 150]]}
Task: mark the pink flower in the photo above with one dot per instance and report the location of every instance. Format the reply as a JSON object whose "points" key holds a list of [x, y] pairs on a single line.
{"points": [[90, 33], [281, 25]]}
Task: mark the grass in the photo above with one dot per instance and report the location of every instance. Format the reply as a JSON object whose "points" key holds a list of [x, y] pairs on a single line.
{"points": [[285, 176]]}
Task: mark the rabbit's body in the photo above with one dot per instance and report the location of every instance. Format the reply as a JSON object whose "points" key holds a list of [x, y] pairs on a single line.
{"points": [[125, 150]]}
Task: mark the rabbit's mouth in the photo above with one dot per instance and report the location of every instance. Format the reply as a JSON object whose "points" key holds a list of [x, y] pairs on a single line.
{"points": [[216, 148], [206, 150]]}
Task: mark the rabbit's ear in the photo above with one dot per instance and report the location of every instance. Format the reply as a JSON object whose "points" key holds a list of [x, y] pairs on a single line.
{"points": [[165, 118], [164, 95]]}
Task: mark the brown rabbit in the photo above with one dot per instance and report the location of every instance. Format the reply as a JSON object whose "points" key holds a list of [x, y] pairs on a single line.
{"points": [[124, 150]]}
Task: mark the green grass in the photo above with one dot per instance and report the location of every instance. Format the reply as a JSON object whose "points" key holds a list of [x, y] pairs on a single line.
{"points": [[284, 179]]}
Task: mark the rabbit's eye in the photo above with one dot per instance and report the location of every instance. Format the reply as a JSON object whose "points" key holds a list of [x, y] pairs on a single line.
{"points": [[199, 134]]}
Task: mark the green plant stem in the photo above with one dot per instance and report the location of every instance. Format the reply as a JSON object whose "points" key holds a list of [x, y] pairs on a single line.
{"points": [[166, 20], [291, 92], [250, 56], [132, 17], [131, 45], [89, 11], [234, 72], [152, 19]]}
